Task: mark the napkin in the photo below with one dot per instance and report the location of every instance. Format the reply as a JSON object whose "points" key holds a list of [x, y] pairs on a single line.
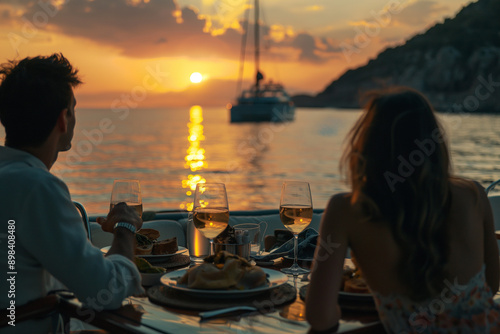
{"points": [[305, 250]]}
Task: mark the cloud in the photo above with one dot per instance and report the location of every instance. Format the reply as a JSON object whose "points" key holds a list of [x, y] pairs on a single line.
{"points": [[157, 28], [387, 26], [314, 8], [306, 47], [6, 14], [144, 30], [312, 49], [420, 13], [305, 43], [216, 93], [415, 15]]}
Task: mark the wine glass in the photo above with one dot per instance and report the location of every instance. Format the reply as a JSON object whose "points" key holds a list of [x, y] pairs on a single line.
{"points": [[128, 191], [210, 210], [296, 214]]}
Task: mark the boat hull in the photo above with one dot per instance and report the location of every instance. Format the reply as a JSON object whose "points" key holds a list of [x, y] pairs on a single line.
{"points": [[255, 112]]}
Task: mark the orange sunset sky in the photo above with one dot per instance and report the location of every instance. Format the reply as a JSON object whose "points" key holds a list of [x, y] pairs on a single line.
{"points": [[147, 50]]}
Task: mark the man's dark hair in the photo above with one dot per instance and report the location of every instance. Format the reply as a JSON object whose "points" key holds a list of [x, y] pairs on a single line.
{"points": [[33, 93]]}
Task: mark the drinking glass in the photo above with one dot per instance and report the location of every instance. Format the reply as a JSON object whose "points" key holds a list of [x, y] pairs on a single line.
{"points": [[295, 213], [128, 191], [251, 231], [210, 210]]}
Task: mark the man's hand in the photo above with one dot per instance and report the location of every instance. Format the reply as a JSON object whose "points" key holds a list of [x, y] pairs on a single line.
{"points": [[121, 212], [123, 241]]}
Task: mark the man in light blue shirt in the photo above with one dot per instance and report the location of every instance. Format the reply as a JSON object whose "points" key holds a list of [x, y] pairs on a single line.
{"points": [[42, 238]]}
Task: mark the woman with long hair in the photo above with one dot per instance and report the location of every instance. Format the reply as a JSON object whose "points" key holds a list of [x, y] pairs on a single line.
{"points": [[418, 233]]}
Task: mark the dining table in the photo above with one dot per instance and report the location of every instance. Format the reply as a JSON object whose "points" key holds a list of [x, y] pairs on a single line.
{"points": [[279, 310]]}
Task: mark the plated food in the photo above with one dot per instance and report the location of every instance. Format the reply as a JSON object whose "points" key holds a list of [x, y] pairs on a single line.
{"points": [[148, 244], [353, 281], [147, 268], [150, 275], [224, 271]]}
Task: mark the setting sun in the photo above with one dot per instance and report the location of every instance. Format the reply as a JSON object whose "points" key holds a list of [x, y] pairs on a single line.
{"points": [[195, 77]]}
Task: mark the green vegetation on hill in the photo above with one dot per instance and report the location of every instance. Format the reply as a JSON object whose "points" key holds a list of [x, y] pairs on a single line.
{"points": [[448, 63]]}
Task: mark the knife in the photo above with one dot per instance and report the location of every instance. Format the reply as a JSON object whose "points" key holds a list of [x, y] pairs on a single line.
{"points": [[226, 312]]}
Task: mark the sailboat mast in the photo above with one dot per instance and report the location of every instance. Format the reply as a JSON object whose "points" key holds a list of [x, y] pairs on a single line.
{"points": [[256, 41]]}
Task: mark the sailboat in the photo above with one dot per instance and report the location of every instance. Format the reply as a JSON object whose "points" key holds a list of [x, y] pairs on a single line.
{"points": [[267, 102]]}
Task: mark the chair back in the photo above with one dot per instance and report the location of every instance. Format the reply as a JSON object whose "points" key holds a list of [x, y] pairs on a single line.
{"points": [[35, 309], [492, 186], [85, 218], [495, 206]]}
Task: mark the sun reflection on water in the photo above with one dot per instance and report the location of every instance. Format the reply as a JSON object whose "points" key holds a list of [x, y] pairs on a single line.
{"points": [[195, 158]]}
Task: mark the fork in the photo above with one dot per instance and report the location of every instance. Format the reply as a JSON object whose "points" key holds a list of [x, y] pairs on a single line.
{"points": [[239, 310]]}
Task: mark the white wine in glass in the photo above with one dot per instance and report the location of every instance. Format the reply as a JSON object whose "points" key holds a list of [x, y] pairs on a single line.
{"points": [[296, 213], [296, 217], [210, 210], [129, 192]]}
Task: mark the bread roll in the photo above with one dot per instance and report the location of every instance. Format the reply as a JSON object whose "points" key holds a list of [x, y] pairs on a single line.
{"points": [[143, 249], [152, 234], [253, 277], [167, 246], [233, 273], [208, 276]]}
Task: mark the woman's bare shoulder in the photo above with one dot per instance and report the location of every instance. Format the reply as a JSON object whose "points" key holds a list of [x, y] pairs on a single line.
{"points": [[462, 184], [340, 201], [466, 195], [341, 209], [465, 189]]}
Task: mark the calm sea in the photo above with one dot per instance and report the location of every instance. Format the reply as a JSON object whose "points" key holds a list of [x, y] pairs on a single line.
{"points": [[170, 150]]}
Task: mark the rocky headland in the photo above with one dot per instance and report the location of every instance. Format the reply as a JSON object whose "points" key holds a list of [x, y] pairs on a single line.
{"points": [[456, 64]]}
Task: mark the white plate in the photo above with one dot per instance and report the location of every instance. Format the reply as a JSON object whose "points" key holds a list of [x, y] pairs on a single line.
{"points": [[149, 279], [274, 279], [149, 257]]}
